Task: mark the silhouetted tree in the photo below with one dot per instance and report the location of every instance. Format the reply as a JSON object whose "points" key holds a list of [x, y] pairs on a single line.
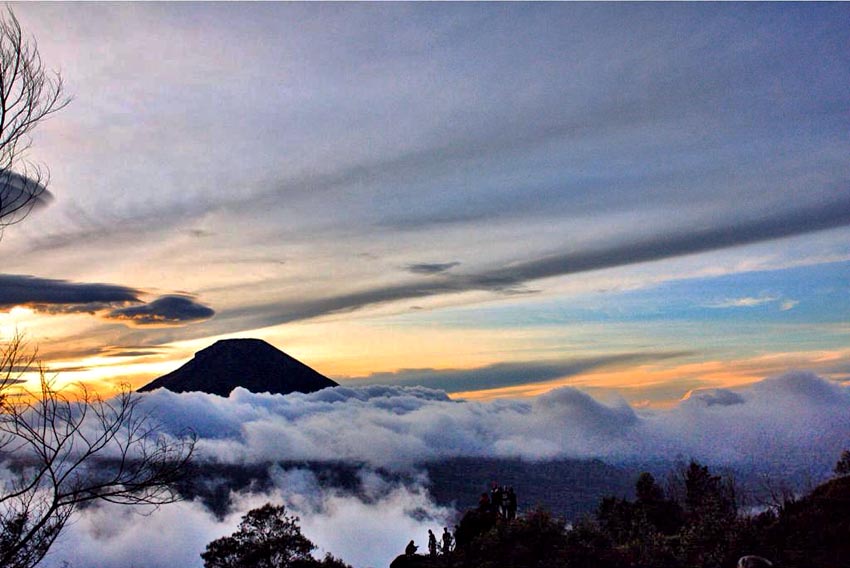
{"points": [[588, 546], [267, 538], [64, 449], [711, 515], [473, 524], [842, 466], [647, 490], [616, 517], [641, 529], [28, 95], [329, 561], [663, 515]]}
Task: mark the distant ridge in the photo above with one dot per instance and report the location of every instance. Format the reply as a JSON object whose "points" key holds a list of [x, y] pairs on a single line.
{"points": [[251, 364]]}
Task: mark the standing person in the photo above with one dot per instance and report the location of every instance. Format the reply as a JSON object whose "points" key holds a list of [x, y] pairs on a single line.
{"points": [[496, 498], [447, 540], [511, 506], [432, 543]]}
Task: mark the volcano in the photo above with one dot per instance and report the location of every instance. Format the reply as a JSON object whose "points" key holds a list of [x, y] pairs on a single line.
{"points": [[251, 364]]}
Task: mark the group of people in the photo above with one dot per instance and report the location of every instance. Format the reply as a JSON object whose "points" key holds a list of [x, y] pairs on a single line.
{"points": [[446, 546], [500, 501]]}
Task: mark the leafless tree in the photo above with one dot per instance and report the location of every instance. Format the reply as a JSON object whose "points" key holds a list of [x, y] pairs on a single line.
{"points": [[60, 449], [29, 93], [64, 449]]}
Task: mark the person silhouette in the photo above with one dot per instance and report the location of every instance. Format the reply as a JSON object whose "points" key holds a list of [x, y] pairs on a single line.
{"points": [[432, 543], [496, 498], [410, 550], [511, 503], [447, 540]]}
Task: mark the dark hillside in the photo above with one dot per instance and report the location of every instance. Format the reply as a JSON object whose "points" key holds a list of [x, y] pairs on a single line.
{"points": [[570, 487], [815, 530], [567, 488]]}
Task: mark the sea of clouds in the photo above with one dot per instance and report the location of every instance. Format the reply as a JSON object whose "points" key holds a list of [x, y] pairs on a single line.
{"points": [[780, 418], [790, 420]]}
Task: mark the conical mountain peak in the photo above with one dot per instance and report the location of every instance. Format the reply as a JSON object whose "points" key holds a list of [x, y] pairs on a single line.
{"points": [[252, 364]]}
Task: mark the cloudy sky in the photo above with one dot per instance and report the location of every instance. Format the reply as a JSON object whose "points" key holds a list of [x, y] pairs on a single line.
{"points": [[489, 199]]}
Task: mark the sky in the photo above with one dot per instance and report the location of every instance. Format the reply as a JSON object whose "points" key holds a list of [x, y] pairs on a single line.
{"points": [[534, 230], [642, 201]]}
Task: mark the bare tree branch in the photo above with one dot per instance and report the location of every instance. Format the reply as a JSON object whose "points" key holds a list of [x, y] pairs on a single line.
{"points": [[29, 93], [67, 449]]}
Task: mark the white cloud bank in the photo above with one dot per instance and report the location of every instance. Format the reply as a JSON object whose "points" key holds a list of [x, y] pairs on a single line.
{"points": [[796, 418], [795, 414], [366, 531]]}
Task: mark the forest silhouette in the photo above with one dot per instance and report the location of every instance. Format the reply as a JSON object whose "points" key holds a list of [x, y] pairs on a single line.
{"points": [[696, 521]]}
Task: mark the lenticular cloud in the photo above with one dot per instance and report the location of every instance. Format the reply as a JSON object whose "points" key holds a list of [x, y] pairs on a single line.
{"points": [[795, 415]]}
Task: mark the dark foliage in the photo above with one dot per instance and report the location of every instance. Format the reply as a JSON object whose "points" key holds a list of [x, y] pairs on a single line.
{"points": [[711, 517], [695, 523], [811, 532], [842, 467], [267, 538]]}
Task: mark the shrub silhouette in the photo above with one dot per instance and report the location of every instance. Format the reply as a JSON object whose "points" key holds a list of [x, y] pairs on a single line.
{"points": [[267, 538], [842, 467]]}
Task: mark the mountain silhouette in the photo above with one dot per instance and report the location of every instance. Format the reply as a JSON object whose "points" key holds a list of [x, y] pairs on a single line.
{"points": [[251, 364]]}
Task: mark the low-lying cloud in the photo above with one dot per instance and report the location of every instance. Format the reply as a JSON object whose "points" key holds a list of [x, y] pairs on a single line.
{"points": [[796, 414], [790, 419], [365, 530]]}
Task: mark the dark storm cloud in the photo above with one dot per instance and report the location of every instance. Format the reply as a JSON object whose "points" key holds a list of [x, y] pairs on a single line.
{"points": [[165, 310], [431, 268], [47, 294], [502, 375], [512, 278]]}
